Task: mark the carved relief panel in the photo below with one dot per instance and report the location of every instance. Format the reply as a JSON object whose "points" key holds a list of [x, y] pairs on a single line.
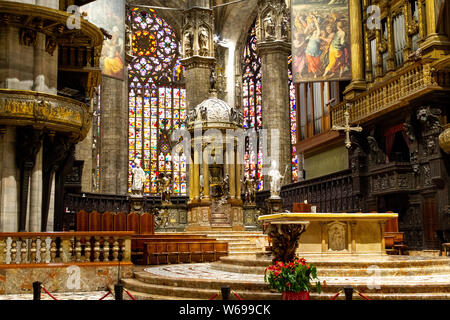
{"points": [[337, 236]]}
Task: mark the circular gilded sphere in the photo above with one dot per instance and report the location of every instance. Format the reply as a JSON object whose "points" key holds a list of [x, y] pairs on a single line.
{"points": [[444, 139]]}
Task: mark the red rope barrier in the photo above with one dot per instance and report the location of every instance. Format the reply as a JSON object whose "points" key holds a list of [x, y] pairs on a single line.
{"points": [[213, 296], [109, 292], [129, 294], [362, 296], [336, 295], [237, 296], [45, 290]]}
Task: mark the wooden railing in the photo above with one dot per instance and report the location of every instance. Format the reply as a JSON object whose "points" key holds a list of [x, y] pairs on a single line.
{"points": [[64, 247], [407, 84], [330, 193]]}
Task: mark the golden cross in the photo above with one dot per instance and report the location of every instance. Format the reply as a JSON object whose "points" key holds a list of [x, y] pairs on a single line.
{"points": [[347, 128]]}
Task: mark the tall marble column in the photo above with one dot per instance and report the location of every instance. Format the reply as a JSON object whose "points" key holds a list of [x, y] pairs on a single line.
{"points": [[35, 208], [274, 48], [198, 50], [9, 181]]}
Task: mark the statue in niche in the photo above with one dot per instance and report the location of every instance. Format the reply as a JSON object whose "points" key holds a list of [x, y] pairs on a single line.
{"points": [[234, 115], [275, 180], [165, 187], [237, 93], [192, 116], [269, 26], [203, 41], [204, 113], [139, 178], [336, 237], [188, 43], [213, 79], [226, 186], [249, 190], [430, 146], [376, 155]]}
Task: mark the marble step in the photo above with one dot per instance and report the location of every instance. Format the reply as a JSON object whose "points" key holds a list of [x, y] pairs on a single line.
{"points": [[191, 293], [357, 262], [161, 287], [341, 272], [386, 285]]}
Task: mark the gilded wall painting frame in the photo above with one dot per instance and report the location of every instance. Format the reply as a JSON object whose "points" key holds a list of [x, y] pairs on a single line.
{"points": [[320, 40]]}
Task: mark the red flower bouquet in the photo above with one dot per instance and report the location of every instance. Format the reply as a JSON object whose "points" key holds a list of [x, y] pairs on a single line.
{"points": [[293, 277]]}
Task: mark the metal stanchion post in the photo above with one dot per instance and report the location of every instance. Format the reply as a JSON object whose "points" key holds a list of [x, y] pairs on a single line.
{"points": [[37, 290], [348, 293], [225, 293], [118, 291]]}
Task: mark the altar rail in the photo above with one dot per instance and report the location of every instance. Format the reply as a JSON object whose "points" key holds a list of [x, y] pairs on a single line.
{"points": [[64, 247], [407, 84]]}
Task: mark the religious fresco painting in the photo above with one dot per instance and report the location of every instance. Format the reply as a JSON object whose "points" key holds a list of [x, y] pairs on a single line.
{"points": [[320, 40], [109, 15]]}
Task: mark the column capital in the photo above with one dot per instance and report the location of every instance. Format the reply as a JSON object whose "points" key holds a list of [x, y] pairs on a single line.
{"points": [[264, 48], [198, 62]]}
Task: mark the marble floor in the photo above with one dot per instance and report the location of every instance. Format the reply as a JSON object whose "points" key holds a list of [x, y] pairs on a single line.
{"points": [[60, 296]]}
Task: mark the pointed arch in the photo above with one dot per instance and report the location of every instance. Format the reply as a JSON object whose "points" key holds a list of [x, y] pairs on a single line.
{"points": [[157, 100]]}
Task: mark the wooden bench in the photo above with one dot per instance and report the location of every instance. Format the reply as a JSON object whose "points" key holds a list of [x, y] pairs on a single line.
{"points": [[398, 245], [156, 252], [389, 244]]}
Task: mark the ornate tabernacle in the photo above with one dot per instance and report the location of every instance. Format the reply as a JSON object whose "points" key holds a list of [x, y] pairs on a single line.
{"points": [[214, 170], [328, 233]]}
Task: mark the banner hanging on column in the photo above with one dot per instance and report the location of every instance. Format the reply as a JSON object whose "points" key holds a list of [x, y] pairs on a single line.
{"points": [[110, 15], [320, 40]]}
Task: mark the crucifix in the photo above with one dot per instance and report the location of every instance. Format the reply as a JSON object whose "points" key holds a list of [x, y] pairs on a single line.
{"points": [[347, 128]]}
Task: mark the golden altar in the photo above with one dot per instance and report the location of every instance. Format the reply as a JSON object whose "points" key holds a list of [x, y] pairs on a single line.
{"points": [[330, 233]]}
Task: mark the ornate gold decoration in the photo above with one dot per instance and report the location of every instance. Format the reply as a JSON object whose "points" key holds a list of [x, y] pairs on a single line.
{"points": [[60, 114], [50, 45], [27, 37], [393, 92]]}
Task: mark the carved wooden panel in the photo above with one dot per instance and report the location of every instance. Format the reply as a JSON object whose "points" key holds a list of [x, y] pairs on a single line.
{"points": [[120, 222], [95, 223], [107, 221], [82, 221], [147, 223], [133, 222]]}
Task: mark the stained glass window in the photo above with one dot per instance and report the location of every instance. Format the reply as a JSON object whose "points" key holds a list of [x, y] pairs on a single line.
{"points": [[293, 117], [252, 108], [157, 100]]}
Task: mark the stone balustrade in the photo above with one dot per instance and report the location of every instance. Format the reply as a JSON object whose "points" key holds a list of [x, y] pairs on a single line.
{"points": [[64, 247], [384, 96]]}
